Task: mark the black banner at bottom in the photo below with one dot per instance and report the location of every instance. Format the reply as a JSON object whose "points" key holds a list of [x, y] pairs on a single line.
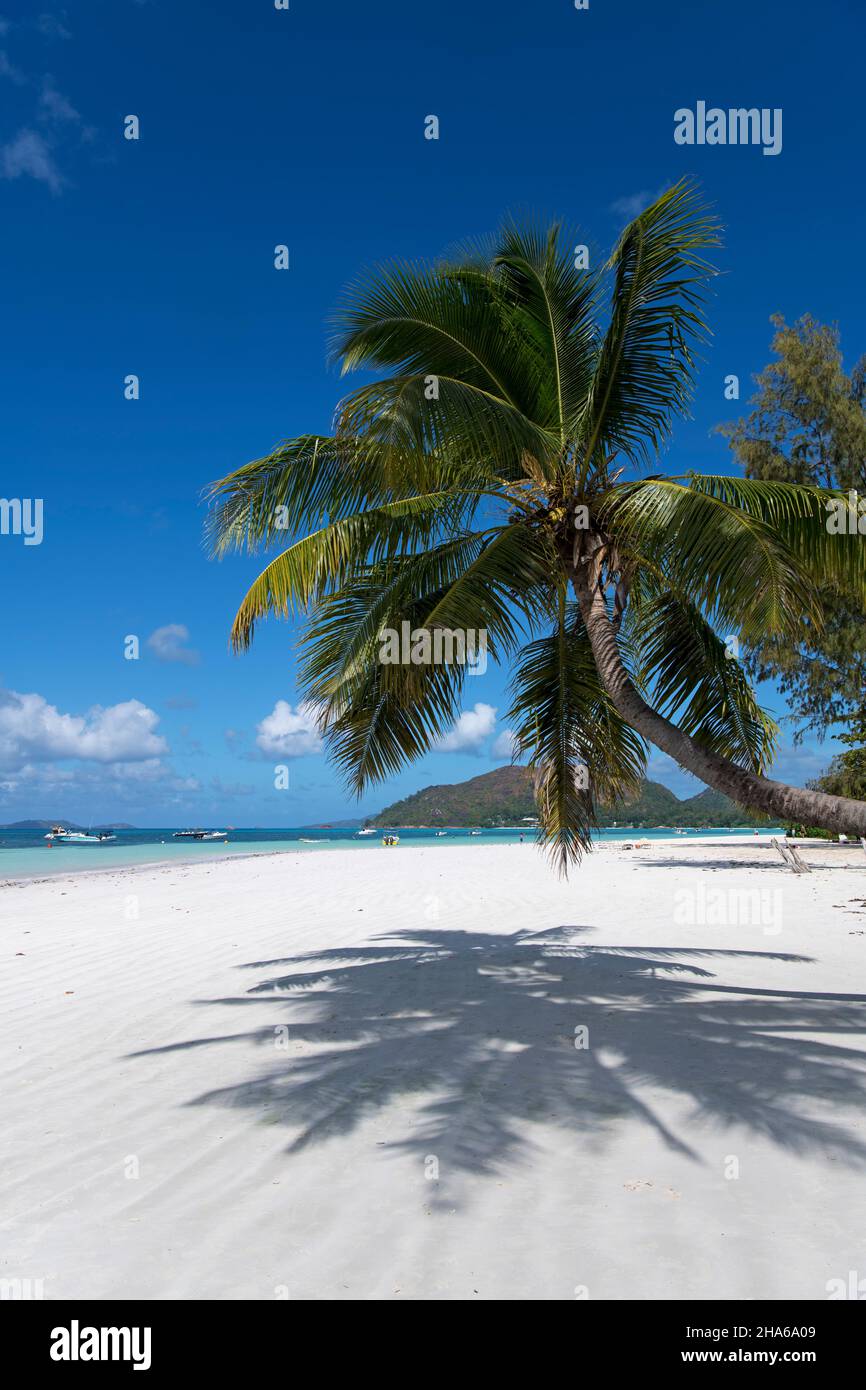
{"points": [[154, 1339]]}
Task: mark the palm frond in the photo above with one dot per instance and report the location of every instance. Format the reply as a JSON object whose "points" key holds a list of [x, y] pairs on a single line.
{"points": [[298, 485], [378, 716], [805, 518], [428, 423], [646, 363], [540, 279], [726, 561], [420, 320], [580, 749], [695, 682], [331, 556]]}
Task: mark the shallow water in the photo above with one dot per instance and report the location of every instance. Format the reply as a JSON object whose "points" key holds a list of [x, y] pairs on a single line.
{"points": [[25, 853]]}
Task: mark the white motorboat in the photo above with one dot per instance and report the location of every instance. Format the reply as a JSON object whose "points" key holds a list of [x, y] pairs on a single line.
{"points": [[59, 835], [367, 830], [199, 834]]}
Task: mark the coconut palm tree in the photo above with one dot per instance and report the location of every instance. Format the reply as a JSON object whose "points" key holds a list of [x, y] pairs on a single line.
{"points": [[496, 477]]}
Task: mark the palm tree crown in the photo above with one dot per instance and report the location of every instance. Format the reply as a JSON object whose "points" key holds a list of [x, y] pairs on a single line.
{"points": [[494, 478]]}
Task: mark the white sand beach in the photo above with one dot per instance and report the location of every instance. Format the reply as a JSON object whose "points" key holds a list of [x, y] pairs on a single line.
{"points": [[355, 1076]]}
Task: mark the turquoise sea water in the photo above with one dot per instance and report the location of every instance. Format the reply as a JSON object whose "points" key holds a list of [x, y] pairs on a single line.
{"points": [[25, 853]]}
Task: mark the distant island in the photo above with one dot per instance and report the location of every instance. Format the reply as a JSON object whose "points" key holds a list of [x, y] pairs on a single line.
{"points": [[505, 797], [61, 820]]}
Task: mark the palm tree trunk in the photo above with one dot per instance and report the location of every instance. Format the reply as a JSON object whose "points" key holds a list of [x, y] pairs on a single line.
{"points": [[777, 799]]}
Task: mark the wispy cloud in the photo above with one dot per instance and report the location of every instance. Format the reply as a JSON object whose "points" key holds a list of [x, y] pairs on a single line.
{"points": [[32, 153], [50, 26], [53, 26], [221, 788], [54, 106], [28, 154], [9, 70], [169, 644], [633, 203], [630, 205]]}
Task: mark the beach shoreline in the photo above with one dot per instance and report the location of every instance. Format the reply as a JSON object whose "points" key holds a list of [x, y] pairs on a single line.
{"points": [[251, 1079], [217, 853]]}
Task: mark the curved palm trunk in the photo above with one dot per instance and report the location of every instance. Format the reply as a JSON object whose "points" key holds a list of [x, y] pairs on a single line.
{"points": [[835, 813]]}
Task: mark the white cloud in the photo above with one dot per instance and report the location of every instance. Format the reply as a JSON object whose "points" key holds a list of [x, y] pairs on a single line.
{"points": [[631, 204], [95, 792], [8, 69], [221, 788], [167, 644], [55, 106], [634, 203], [32, 731], [285, 733], [29, 154], [505, 746], [471, 730], [51, 26]]}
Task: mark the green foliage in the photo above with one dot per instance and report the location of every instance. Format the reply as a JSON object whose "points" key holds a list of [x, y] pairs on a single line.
{"points": [[808, 426], [846, 776], [692, 671], [563, 718]]}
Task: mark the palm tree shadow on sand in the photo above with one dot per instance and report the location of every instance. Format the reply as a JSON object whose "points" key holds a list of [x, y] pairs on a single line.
{"points": [[478, 1030]]}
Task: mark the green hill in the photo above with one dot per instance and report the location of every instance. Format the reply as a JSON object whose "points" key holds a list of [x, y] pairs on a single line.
{"points": [[61, 820], [505, 797]]}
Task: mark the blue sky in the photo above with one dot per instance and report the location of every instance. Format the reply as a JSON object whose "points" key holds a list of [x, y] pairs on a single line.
{"points": [[155, 257]]}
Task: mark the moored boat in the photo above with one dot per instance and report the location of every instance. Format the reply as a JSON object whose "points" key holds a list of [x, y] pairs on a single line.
{"points": [[199, 834], [59, 835]]}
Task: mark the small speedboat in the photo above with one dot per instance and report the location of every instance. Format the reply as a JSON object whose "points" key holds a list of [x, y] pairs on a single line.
{"points": [[199, 834], [475, 832], [440, 833], [390, 840], [59, 835], [367, 830]]}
